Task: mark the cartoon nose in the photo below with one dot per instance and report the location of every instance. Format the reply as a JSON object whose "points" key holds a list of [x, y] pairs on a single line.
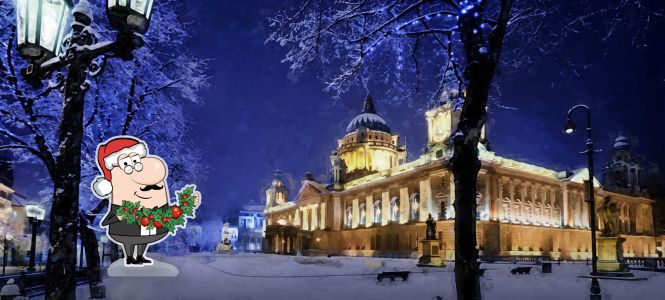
{"points": [[153, 172]]}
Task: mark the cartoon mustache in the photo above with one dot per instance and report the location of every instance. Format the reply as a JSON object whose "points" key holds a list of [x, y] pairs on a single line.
{"points": [[151, 187]]}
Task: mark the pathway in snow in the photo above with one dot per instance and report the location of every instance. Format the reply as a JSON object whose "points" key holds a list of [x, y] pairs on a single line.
{"points": [[259, 276]]}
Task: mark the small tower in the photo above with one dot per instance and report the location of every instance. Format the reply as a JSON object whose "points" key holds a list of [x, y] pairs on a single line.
{"points": [[624, 172], [338, 169], [442, 120], [277, 193]]}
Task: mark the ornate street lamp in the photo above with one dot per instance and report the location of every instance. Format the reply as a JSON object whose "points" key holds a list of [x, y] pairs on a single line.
{"points": [[8, 238], [49, 47], [570, 128], [40, 27], [35, 216]]}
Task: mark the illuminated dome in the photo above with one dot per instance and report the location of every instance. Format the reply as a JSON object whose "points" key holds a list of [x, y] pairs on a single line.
{"points": [[368, 119]]}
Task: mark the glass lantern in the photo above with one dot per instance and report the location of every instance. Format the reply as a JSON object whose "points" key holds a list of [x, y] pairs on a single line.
{"points": [[129, 15], [40, 27]]}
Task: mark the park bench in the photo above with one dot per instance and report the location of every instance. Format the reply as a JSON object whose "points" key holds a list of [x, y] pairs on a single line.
{"points": [[521, 270], [392, 275]]}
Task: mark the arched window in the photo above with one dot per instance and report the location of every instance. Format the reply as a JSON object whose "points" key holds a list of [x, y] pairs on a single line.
{"points": [[528, 212], [415, 206], [362, 216], [538, 213], [377, 212], [505, 210], [394, 209], [517, 213]]}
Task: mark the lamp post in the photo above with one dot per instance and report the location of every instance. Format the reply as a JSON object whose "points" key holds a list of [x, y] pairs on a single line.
{"points": [[35, 216], [8, 238], [43, 39], [570, 128]]}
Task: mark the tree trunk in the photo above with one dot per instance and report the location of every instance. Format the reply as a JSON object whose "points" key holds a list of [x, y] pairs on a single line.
{"points": [[93, 267], [61, 263], [482, 56]]}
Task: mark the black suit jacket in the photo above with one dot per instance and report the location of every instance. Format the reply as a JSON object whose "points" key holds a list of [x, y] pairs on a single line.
{"points": [[120, 227]]}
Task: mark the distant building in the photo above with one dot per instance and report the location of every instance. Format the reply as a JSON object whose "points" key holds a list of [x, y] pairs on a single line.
{"points": [[230, 232], [250, 228], [377, 202]]}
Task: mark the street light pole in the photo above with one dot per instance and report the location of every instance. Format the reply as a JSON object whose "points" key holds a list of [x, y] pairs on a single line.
{"points": [[4, 255], [570, 128], [35, 223]]}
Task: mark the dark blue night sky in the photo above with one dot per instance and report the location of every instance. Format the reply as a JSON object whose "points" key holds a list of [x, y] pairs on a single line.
{"points": [[256, 119]]}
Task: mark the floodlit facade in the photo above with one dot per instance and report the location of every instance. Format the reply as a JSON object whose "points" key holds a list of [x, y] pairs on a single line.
{"points": [[378, 202]]}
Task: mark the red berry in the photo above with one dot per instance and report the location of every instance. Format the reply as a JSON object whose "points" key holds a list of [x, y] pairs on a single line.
{"points": [[145, 221], [176, 212], [135, 210], [150, 216], [136, 217], [165, 219], [185, 203], [124, 208], [157, 224], [185, 196]]}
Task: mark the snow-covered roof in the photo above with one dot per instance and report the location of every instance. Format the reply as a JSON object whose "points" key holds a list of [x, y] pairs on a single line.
{"points": [[369, 121], [368, 118]]}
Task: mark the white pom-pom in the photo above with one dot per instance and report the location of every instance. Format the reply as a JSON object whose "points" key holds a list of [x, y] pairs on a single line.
{"points": [[102, 187]]}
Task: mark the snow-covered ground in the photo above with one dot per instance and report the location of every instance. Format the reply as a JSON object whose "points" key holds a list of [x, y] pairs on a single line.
{"points": [[259, 276]]}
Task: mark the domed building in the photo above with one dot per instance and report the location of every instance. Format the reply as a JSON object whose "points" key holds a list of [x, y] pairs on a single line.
{"points": [[377, 202], [368, 146]]}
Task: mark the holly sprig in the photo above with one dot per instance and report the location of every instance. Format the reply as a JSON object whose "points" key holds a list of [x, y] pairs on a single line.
{"points": [[169, 217]]}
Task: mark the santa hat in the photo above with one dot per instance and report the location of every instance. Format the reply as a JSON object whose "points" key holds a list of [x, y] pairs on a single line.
{"points": [[107, 158]]}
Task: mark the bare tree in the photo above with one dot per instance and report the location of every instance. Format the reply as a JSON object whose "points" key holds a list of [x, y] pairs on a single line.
{"points": [[36, 122]]}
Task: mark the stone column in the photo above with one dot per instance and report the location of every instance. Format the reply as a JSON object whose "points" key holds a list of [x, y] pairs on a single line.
{"points": [[488, 198], [404, 205], [323, 224], [369, 211], [564, 205], [338, 215], [315, 218], [523, 194], [355, 211], [305, 219], [511, 187], [385, 207], [585, 212], [450, 211], [499, 199], [426, 205]]}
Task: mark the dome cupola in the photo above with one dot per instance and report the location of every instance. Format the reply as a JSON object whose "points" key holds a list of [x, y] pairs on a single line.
{"points": [[368, 118]]}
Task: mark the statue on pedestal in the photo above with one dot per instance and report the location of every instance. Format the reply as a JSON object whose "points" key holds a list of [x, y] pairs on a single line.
{"points": [[608, 216], [430, 233]]}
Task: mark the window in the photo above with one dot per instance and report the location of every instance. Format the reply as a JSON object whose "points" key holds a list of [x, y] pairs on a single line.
{"points": [[377, 212], [394, 209], [415, 207]]}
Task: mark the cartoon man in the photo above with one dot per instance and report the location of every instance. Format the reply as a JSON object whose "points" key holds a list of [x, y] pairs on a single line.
{"points": [[131, 174]]}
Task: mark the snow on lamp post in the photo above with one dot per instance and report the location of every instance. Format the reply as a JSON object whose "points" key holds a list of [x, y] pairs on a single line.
{"points": [[569, 129], [40, 26], [35, 216], [49, 47]]}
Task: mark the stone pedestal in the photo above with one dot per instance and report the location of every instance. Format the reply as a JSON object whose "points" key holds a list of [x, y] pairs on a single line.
{"points": [[432, 255], [610, 254]]}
